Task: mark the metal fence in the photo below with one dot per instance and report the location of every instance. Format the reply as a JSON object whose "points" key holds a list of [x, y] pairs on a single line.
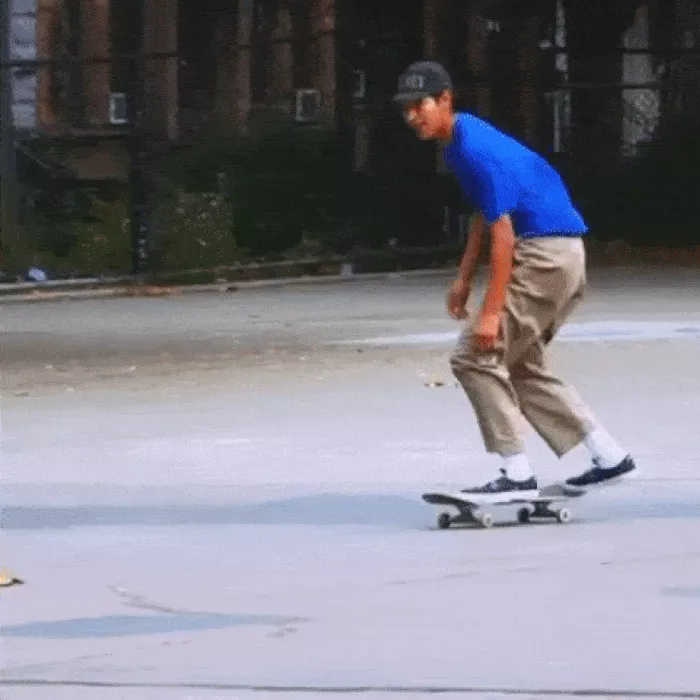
{"points": [[656, 84]]}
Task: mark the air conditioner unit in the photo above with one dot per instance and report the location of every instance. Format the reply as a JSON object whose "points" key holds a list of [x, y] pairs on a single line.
{"points": [[308, 106], [118, 108]]}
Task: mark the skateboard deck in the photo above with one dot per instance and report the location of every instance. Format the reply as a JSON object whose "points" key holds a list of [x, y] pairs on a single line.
{"points": [[472, 510]]}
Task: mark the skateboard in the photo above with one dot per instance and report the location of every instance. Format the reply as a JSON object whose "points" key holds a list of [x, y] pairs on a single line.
{"points": [[474, 512]]}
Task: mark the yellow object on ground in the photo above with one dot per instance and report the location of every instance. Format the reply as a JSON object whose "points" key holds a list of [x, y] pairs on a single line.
{"points": [[7, 579]]}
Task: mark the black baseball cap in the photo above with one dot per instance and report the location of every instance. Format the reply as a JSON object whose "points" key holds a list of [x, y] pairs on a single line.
{"points": [[422, 79]]}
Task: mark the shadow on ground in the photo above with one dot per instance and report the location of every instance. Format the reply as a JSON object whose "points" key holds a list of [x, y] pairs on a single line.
{"points": [[130, 625], [315, 510]]}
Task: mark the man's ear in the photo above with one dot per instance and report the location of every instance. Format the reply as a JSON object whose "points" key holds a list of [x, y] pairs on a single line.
{"points": [[446, 98]]}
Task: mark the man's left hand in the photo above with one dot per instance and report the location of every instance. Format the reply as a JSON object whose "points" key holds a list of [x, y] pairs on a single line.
{"points": [[487, 331]]}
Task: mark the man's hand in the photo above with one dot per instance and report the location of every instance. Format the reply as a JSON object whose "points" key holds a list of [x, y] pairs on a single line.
{"points": [[457, 299], [487, 331], [459, 293]]}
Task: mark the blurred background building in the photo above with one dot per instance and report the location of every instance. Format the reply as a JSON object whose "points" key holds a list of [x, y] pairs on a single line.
{"points": [[105, 95]]}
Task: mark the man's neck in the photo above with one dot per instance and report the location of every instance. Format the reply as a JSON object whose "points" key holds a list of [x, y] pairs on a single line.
{"points": [[446, 136]]}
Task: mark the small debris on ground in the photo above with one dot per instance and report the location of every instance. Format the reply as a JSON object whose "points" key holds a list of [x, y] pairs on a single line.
{"points": [[7, 579]]}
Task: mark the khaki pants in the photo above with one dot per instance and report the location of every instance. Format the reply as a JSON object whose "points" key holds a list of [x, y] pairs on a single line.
{"points": [[547, 282]]}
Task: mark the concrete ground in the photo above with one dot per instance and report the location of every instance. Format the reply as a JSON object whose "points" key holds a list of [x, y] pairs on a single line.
{"points": [[217, 496]]}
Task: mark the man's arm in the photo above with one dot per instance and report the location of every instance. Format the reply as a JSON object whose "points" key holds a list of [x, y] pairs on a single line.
{"points": [[470, 259], [461, 288], [501, 266]]}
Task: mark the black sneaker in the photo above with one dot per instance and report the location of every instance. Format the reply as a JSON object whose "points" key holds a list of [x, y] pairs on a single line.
{"points": [[504, 488], [600, 476]]}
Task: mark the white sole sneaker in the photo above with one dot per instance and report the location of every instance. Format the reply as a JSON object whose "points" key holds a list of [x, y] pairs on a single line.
{"points": [[495, 498]]}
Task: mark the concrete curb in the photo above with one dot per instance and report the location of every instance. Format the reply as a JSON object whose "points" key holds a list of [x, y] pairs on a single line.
{"points": [[387, 265], [47, 291]]}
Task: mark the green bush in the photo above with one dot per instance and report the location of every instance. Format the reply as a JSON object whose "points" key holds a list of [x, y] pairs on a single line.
{"points": [[190, 230], [81, 234], [102, 244], [285, 186], [193, 230]]}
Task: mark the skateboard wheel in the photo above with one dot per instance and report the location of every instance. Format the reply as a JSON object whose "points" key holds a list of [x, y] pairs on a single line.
{"points": [[564, 515], [486, 520], [444, 521], [523, 516]]}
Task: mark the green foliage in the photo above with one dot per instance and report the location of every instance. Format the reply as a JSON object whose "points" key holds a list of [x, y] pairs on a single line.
{"points": [[102, 242], [193, 230], [190, 230], [71, 231], [284, 186]]}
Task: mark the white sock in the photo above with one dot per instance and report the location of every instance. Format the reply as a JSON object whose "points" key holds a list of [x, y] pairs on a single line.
{"points": [[604, 448], [517, 467]]}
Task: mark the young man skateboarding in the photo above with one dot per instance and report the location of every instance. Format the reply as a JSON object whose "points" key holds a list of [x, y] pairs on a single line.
{"points": [[537, 276]]}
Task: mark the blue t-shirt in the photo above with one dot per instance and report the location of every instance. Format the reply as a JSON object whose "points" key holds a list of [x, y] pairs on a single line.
{"points": [[501, 176]]}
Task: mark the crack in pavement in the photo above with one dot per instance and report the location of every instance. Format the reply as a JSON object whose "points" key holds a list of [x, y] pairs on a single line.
{"points": [[133, 600], [282, 626]]}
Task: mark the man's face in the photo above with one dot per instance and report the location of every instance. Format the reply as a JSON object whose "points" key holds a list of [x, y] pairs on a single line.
{"points": [[429, 117]]}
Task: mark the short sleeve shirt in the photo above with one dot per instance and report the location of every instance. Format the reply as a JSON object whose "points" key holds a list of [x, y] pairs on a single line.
{"points": [[499, 175]]}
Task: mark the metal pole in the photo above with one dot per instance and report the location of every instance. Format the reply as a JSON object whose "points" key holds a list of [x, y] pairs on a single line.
{"points": [[8, 163], [140, 210]]}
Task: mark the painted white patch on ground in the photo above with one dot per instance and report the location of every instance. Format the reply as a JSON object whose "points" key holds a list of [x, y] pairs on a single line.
{"points": [[633, 331]]}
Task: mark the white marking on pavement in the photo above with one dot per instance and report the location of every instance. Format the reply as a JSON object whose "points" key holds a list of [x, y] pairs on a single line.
{"points": [[634, 331]]}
